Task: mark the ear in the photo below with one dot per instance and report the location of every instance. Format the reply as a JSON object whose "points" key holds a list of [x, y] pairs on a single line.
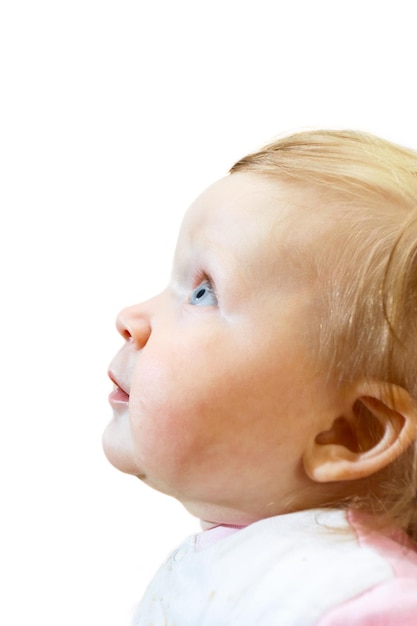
{"points": [[380, 424]]}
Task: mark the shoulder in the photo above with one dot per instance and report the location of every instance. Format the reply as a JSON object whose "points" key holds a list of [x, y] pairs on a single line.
{"points": [[291, 569], [388, 602], [392, 603]]}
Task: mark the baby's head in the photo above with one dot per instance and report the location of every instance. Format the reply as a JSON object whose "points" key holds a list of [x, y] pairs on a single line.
{"points": [[277, 371]]}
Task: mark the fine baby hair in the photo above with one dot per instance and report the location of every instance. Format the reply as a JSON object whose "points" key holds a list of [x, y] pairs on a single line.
{"points": [[366, 278]]}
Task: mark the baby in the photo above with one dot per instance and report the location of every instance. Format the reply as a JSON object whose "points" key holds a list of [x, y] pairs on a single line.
{"points": [[272, 389]]}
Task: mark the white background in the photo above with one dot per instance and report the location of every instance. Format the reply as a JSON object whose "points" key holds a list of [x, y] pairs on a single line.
{"points": [[113, 116]]}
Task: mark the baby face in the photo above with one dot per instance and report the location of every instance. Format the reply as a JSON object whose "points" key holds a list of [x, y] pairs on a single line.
{"points": [[217, 392]]}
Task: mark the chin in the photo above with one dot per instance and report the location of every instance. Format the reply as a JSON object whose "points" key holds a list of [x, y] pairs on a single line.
{"points": [[117, 450]]}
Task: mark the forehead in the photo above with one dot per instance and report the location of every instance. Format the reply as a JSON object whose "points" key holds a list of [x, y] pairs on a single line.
{"points": [[242, 196], [263, 224]]}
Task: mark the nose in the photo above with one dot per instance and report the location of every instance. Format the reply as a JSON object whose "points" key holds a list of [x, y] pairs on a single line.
{"points": [[134, 323]]}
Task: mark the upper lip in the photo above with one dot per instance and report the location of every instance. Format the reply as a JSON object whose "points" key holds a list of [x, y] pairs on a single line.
{"points": [[115, 380]]}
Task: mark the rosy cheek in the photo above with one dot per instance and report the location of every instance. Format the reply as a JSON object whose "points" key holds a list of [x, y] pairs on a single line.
{"points": [[154, 418]]}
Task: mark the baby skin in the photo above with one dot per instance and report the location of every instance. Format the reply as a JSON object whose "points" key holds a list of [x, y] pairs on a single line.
{"points": [[219, 398]]}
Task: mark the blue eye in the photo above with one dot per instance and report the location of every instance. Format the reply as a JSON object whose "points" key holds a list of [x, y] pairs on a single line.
{"points": [[203, 295]]}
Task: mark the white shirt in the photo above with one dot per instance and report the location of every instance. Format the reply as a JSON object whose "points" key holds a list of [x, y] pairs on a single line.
{"points": [[317, 567]]}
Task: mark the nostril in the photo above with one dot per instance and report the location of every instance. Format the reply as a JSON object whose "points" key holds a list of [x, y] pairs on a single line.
{"points": [[123, 330], [126, 334], [123, 326]]}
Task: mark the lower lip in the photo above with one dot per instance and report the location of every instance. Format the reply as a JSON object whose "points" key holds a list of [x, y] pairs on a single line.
{"points": [[118, 397]]}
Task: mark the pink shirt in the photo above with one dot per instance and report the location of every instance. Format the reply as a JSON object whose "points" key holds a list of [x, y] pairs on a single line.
{"points": [[391, 603]]}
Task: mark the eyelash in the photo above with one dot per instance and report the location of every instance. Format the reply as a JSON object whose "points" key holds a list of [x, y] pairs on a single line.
{"points": [[202, 276]]}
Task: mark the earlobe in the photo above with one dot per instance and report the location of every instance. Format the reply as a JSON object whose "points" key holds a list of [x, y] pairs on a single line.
{"points": [[376, 430]]}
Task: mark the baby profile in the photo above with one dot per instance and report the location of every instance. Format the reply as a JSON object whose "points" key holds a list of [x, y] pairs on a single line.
{"points": [[272, 389]]}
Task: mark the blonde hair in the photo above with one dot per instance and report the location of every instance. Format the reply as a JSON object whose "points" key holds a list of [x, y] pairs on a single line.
{"points": [[368, 325]]}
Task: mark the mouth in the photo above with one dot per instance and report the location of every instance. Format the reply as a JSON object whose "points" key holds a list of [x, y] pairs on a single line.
{"points": [[118, 396]]}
